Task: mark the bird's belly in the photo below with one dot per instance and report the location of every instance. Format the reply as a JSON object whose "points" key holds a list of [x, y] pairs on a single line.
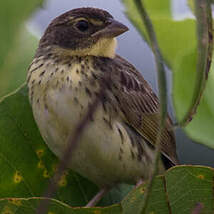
{"points": [[104, 153]]}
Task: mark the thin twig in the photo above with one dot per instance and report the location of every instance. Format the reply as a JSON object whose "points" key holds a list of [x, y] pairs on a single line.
{"points": [[162, 94], [72, 144], [205, 45]]}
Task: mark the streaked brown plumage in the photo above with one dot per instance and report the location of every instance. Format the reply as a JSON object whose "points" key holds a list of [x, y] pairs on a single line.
{"points": [[74, 56]]}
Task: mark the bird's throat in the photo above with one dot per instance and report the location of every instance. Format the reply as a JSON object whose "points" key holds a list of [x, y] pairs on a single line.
{"points": [[104, 47]]}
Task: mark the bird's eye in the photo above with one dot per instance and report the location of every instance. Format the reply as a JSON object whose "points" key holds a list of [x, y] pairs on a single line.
{"points": [[82, 25]]}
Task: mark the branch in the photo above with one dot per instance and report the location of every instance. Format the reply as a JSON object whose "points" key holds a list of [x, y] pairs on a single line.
{"points": [[162, 94], [203, 15]]}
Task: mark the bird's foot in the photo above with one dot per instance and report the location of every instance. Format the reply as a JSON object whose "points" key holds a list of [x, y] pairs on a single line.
{"points": [[97, 197], [140, 181]]}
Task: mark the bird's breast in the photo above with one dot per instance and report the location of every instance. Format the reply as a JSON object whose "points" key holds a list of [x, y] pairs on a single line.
{"points": [[60, 95]]}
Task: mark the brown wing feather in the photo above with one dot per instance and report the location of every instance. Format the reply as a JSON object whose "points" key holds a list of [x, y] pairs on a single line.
{"points": [[140, 106]]}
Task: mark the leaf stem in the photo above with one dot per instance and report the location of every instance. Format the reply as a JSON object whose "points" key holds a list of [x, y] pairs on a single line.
{"points": [[161, 72], [203, 15]]}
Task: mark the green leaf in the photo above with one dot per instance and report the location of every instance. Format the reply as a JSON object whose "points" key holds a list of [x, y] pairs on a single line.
{"points": [[188, 186], [14, 71], [178, 191], [178, 43], [29, 205], [201, 128], [156, 204], [12, 15]]}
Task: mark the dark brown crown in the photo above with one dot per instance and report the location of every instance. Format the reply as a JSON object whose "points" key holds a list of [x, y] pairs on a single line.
{"points": [[87, 12]]}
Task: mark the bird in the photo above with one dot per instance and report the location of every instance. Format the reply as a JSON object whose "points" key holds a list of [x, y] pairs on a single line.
{"points": [[76, 59]]}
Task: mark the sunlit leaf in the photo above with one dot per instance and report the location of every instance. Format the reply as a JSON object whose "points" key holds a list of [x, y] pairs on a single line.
{"points": [[12, 15]]}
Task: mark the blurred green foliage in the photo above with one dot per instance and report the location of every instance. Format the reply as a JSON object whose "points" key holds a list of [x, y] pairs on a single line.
{"points": [[13, 71], [17, 45], [12, 16]]}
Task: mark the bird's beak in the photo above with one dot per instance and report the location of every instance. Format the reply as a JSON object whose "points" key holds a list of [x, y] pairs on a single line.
{"points": [[113, 29]]}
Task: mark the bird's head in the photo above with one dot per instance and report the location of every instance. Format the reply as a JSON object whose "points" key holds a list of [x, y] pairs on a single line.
{"points": [[82, 32]]}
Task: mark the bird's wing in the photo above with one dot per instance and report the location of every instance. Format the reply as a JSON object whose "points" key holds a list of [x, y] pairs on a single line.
{"points": [[140, 107]]}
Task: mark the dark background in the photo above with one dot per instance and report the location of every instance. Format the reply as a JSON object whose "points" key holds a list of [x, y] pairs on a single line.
{"points": [[135, 50]]}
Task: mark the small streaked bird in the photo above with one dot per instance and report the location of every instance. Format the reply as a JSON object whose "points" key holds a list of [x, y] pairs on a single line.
{"points": [[74, 55]]}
